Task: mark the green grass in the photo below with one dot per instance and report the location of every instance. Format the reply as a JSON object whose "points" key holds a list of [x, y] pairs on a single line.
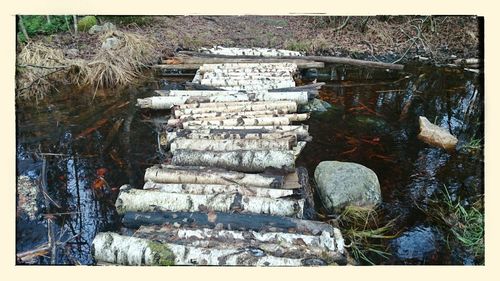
{"points": [[464, 225], [39, 25]]}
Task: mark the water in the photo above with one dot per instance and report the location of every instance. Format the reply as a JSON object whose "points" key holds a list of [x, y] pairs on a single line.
{"points": [[373, 121]]}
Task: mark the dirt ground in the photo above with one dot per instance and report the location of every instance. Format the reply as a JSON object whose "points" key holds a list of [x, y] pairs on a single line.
{"points": [[382, 38]]}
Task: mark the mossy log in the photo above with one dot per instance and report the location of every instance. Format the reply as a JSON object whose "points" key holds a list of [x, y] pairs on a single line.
{"points": [[138, 200], [125, 250], [205, 175], [243, 160]]}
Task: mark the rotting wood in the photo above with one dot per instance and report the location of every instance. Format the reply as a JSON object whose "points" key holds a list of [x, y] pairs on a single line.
{"points": [[243, 161], [186, 109], [227, 145], [218, 188], [298, 148], [173, 174], [125, 250], [326, 59], [231, 221], [137, 200], [300, 130], [193, 63], [234, 114], [293, 117]]}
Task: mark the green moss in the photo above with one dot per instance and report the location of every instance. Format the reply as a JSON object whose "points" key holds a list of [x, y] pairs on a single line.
{"points": [[162, 255], [86, 23]]}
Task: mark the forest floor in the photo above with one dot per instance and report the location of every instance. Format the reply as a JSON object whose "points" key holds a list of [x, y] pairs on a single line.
{"points": [[438, 39]]}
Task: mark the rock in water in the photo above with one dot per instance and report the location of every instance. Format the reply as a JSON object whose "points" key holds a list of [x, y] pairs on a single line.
{"points": [[435, 135], [316, 105], [343, 183], [418, 245]]}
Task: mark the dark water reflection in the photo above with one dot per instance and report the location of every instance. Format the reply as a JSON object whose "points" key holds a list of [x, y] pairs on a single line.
{"points": [[373, 121]]}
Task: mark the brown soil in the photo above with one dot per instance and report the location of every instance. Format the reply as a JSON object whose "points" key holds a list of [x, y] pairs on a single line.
{"points": [[384, 38]]}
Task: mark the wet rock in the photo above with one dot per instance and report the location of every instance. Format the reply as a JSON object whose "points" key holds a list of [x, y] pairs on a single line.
{"points": [[111, 43], [435, 135], [316, 105], [370, 124], [418, 245], [27, 193], [343, 183], [102, 28]]}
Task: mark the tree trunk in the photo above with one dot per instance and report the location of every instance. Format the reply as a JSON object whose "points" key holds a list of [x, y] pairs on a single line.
{"points": [[75, 25], [23, 28], [244, 160], [67, 24], [48, 20], [137, 200], [226, 145], [233, 221], [230, 115], [297, 96], [210, 189], [124, 250], [172, 174], [197, 62]]}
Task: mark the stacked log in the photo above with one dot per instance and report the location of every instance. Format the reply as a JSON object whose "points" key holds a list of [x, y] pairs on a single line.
{"points": [[231, 194]]}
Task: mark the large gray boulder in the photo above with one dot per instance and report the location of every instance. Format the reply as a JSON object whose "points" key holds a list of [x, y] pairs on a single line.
{"points": [[111, 43], [102, 28], [341, 184]]}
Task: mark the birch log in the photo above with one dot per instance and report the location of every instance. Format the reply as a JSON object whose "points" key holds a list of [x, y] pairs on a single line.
{"points": [[113, 248], [300, 97], [230, 221], [200, 175], [223, 118], [281, 244], [168, 102], [243, 160], [222, 105], [228, 115], [300, 130], [249, 66], [206, 135], [206, 189], [262, 52], [257, 121], [138, 200], [227, 145]]}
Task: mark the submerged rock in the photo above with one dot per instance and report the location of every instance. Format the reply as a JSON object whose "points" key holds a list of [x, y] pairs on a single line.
{"points": [[27, 193], [343, 183], [316, 105], [420, 244], [435, 135]]}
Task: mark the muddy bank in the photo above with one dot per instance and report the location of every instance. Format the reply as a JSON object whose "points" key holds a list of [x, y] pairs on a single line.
{"points": [[440, 39]]}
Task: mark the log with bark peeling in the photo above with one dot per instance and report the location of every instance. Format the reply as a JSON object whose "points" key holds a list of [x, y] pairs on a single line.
{"points": [[137, 200], [256, 121], [125, 250], [186, 62], [209, 189], [228, 115], [200, 175], [243, 160], [228, 145], [280, 244], [201, 108], [300, 130]]}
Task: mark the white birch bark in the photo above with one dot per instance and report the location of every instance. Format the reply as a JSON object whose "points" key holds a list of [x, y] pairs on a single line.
{"points": [[227, 145], [200, 175], [300, 130], [258, 121], [207, 189], [236, 107], [261, 52], [244, 160], [138, 200], [223, 105], [229, 115], [206, 135]]}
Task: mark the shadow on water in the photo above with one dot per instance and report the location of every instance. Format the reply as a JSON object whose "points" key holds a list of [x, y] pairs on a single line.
{"points": [[93, 146]]}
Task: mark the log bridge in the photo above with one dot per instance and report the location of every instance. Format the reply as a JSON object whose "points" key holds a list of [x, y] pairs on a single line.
{"points": [[230, 193]]}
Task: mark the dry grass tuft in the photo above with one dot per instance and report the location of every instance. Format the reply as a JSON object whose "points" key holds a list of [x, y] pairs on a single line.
{"points": [[110, 68], [37, 66]]}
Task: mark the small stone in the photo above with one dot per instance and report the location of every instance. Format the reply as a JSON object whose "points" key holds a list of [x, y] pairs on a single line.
{"points": [[111, 43], [435, 135]]}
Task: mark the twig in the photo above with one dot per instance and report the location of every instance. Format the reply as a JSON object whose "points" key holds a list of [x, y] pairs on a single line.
{"points": [[39, 78], [344, 24], [43, 66]]}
